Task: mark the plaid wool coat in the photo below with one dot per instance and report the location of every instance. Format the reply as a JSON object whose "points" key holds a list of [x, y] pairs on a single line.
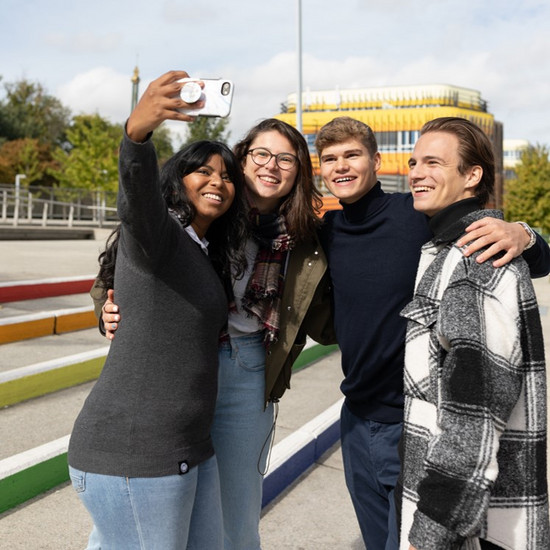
{"points": [[474, 439]]}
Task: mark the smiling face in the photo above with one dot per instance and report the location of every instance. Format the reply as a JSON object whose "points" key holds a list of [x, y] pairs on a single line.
{"points": [[267, 185], [434, 177], [210, 190], [349, 170]]}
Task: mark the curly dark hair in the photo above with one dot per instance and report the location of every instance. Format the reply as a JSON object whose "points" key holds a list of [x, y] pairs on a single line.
{"points": [[302, 205], [226, 235]]}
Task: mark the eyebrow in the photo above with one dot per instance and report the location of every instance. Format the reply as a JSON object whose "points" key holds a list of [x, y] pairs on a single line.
{"points": [[425, 158], [346, 152]]}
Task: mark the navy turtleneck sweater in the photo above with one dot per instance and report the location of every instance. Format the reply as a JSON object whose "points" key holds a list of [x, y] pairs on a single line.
{"points": [[373, 249]]}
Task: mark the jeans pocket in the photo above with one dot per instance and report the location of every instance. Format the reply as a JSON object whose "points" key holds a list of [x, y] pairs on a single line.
{"points": [[251, 358], [78, 480]]}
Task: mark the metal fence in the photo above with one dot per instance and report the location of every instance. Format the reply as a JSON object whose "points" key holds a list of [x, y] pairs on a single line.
{"points": [[46, 206]]}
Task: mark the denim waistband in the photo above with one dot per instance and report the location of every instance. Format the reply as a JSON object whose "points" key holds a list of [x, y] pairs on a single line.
{"points": [[243, 340]]}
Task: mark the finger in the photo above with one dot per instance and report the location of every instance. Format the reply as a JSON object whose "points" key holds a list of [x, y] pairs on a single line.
{"points": [[110, 318], [508, 257], [111, 295], [171, 76], [475, 245], [468, 238], [479, 224], [489, 253], [109, 335]]}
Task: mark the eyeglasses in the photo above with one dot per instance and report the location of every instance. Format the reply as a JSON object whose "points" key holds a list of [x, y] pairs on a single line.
{"points": [[261, 156]]}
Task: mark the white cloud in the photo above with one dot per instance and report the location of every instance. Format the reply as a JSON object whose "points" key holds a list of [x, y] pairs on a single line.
{"points": [[100, 90]]}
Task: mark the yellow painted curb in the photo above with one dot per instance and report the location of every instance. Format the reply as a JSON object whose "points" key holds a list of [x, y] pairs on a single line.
{"points": [[41, 383], [24, 327]]}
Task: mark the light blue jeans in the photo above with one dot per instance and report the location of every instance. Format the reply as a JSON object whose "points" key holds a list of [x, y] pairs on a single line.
{"points": [[241, 435], [169, 512]]}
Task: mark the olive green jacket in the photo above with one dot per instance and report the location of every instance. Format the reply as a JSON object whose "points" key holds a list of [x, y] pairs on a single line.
{"points": [[305, 311]]}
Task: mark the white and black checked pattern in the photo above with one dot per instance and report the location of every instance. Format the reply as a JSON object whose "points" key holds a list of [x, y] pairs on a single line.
{"points": [[474, 440]]}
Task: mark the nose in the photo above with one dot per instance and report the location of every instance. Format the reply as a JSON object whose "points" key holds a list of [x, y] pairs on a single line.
{"points": [[271, 163], [341, 163], [415, 173]]}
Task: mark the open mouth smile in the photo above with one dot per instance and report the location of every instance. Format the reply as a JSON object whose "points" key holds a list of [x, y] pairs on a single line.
{"points": [[422, 189], [270, 180], [214, 197], [340, 181]]}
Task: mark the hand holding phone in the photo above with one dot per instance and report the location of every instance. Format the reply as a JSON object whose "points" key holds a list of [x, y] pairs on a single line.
{"points": [[217, 95]]}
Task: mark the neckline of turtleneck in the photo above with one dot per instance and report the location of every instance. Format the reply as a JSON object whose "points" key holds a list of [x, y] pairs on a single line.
{"points": [[444, 219], [361, 208]]}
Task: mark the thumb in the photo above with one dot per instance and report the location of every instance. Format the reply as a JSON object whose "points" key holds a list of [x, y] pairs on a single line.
{"points": [[111, 295]]}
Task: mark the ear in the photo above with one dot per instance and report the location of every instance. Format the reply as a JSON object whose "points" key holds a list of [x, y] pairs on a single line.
{"points": [[377, 161], [474, 177]]}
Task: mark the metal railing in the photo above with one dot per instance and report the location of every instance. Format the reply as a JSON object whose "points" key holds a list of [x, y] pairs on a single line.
{"points": [[45, 206]]}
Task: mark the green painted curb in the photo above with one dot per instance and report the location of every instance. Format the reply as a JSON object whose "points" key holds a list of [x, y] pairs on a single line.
{"points": [[28, 483], [311, 354]]}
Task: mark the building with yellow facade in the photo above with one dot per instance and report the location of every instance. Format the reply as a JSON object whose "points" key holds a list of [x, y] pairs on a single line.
{"points": [[396, 114]]}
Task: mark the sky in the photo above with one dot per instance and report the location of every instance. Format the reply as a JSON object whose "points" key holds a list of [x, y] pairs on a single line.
{"points": [[84, 53]]}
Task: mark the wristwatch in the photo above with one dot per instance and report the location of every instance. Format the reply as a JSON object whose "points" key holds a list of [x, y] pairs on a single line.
{"points": [[531, 233]]}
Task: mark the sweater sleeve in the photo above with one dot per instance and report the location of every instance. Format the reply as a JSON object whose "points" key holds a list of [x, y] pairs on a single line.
{"points": [[538, 258], [140, 205], [478, 386]]}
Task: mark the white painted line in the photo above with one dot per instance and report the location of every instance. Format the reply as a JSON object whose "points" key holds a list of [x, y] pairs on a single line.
{"points": [[43, 315], [292, 444], [27, 459], [53, 280], [53, 364]]}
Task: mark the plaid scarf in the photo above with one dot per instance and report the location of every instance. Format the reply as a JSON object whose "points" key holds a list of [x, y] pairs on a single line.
{"points": [[264, 291]]}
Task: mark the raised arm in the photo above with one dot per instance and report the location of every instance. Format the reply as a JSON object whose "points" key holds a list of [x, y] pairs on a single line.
{"points": [[511, 238]]}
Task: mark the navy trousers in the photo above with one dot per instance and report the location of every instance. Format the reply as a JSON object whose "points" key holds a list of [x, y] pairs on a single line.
{"points": [[371, 466]]}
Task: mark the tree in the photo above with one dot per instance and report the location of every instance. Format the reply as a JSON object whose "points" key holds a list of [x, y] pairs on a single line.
{"points": [[91, 159], [528, 197], [29, 112], [23, 156], [208, 128], [162, 140]]}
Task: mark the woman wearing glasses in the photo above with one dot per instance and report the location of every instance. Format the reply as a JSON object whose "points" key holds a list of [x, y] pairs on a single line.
{"points": [[282, 297]]}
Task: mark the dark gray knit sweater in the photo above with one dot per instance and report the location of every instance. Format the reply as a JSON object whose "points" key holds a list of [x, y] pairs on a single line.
{"points": [[150, 412]]}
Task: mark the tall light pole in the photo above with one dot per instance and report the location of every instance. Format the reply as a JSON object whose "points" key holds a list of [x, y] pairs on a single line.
{"points": [[299, 51]]}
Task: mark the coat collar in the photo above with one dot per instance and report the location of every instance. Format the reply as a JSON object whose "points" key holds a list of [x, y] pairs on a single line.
{"points": [[451, 222]]}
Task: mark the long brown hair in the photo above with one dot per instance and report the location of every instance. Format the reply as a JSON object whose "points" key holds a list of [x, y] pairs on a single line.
{"points": [[301, 206]]}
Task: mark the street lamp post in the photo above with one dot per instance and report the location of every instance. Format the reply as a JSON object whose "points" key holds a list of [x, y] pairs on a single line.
{"points": [[18, 178], [299, 48]]}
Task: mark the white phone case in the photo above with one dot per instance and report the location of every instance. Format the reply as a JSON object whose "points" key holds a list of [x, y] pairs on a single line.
{"points": [[218, 96]]}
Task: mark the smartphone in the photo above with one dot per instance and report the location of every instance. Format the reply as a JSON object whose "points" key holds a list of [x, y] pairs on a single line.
{"points": [[217, 94]]}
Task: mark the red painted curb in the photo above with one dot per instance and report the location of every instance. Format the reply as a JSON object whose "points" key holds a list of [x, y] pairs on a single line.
{"points": [[32, 290]]}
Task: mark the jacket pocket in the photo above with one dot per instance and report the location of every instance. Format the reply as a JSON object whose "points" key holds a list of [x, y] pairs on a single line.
{"points": [[421, 310]]}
